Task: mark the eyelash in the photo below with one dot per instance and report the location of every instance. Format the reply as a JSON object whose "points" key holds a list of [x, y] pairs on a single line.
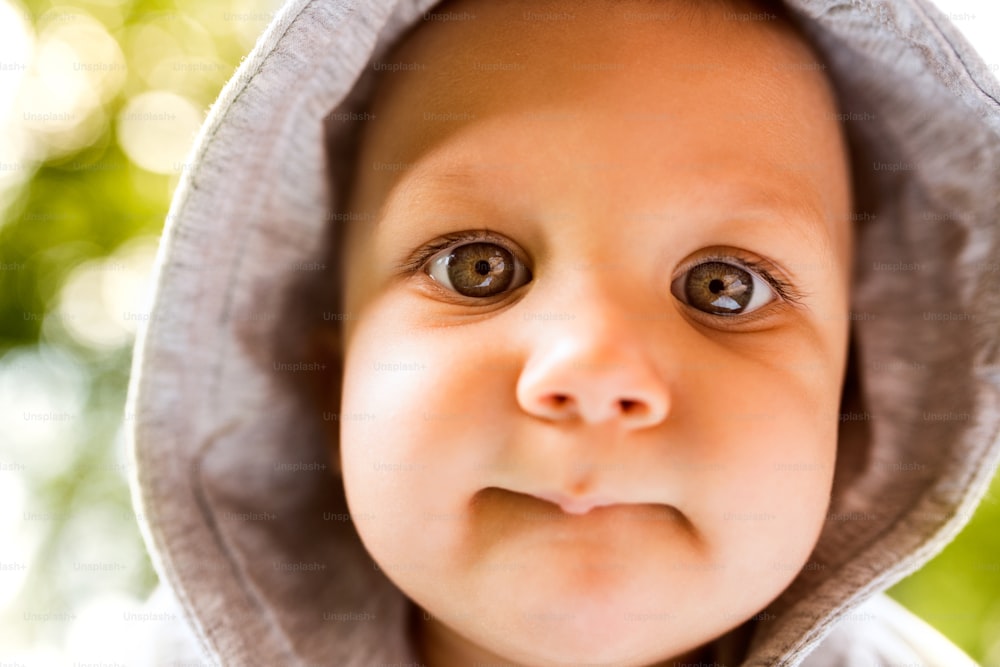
{"points": [[785, 290], [420, 256]]}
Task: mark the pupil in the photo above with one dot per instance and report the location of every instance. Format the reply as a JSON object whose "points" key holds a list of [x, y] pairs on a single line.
{"points": [[482, 267], [716, 285]]}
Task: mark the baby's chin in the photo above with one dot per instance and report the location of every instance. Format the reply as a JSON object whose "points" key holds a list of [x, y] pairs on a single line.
{"points": [[593, 615], [620, 584]]}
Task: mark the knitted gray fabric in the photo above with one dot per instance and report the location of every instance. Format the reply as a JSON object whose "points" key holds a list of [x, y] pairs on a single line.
{"points": [[225, 523]]}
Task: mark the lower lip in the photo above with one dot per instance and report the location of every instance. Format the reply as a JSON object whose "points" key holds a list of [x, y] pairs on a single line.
{"points": [[498, 515]]}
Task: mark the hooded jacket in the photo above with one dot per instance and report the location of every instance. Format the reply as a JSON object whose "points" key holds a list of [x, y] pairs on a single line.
{"points": [[249, 531]]}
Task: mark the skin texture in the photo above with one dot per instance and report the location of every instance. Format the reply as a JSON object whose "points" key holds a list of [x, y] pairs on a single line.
{"points": [[608, 168]]}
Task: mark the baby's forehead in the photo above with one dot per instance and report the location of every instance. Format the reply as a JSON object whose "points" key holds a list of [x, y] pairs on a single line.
{"points": [[567, 36], [489, 81], [499, 59]]}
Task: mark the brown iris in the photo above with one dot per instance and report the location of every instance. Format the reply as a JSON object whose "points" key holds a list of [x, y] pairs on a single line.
{"points": [[480, 269], [717, 287]]}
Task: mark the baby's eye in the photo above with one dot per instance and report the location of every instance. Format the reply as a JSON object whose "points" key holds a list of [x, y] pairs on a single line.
{"points": [[479, 269], [720, 288]]}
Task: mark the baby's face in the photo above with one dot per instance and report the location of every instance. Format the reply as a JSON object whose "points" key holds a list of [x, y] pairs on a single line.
{"points": [[655, 323]]}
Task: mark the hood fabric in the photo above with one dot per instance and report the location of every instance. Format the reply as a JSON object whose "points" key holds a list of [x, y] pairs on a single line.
{"points": [[249, 528]]}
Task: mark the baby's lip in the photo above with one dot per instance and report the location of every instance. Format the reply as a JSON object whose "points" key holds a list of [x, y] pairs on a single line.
{"points": [[579, 505]]}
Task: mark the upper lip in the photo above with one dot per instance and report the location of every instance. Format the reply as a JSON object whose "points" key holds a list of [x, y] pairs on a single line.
{"points": [[577, 505]]}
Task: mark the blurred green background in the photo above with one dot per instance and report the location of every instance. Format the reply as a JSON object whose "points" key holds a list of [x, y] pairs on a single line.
{"points": [[99, 103]]}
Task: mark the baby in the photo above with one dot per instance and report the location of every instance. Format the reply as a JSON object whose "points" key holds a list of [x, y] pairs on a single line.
{"points": [[601, 288]]}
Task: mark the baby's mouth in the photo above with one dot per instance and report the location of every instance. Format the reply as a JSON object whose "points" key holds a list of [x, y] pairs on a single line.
{"points": [[566, 507], [498, 514]]}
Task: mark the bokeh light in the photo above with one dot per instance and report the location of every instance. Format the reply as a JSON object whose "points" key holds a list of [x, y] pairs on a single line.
{"points": [[156, 128], [100, 101]]}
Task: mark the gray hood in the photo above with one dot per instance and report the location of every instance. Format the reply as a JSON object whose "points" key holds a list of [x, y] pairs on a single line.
{"points": [[249, 528]]}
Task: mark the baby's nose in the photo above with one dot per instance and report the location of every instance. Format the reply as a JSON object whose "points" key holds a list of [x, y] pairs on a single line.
{"points": [[583, 378]]}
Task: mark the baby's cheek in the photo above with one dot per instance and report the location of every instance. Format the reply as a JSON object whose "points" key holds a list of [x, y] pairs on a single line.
{"points": [[763, 524], [415, 460]]}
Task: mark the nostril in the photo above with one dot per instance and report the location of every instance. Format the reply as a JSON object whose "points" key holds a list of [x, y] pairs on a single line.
{"points": [[635, 408], [561, 406], [557, 400]]}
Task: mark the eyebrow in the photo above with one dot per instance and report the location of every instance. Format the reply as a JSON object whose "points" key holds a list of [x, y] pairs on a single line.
{"points": [[792, 214], [424, 181]]}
